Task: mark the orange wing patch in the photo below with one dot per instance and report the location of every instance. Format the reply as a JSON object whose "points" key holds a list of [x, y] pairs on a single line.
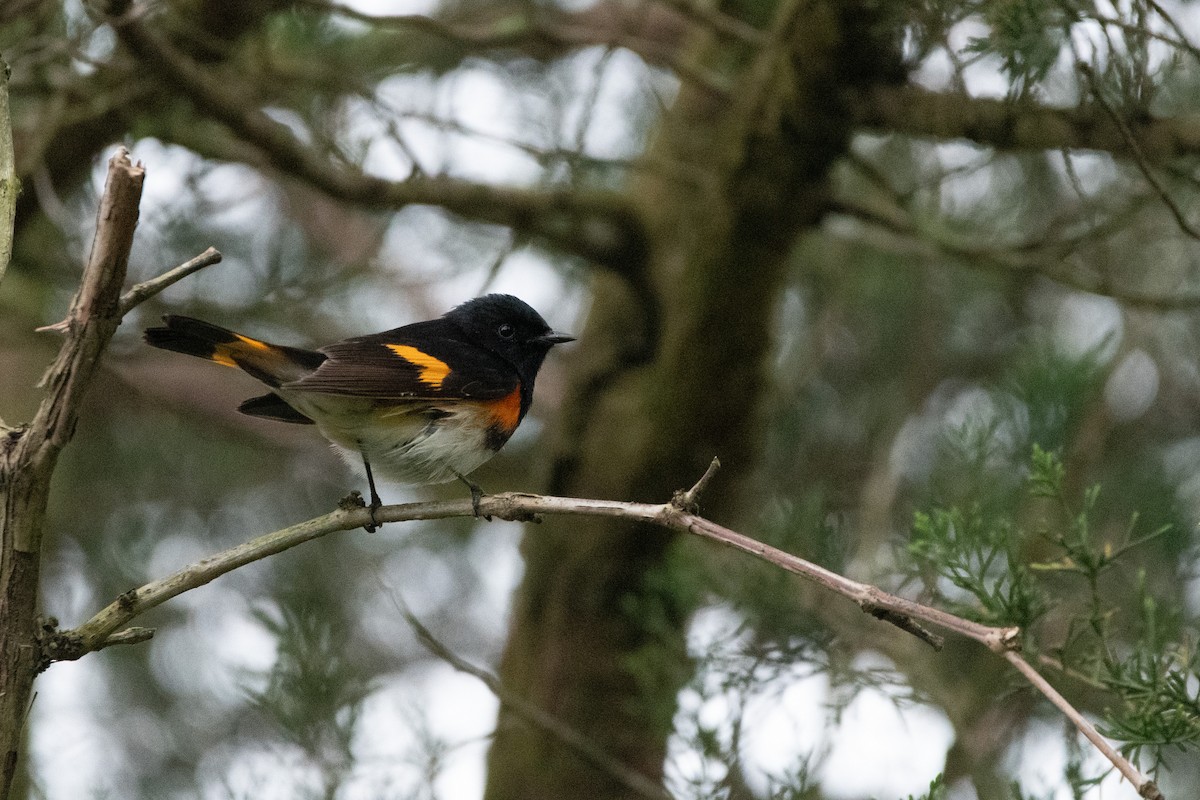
{"points": [[433, 370]]}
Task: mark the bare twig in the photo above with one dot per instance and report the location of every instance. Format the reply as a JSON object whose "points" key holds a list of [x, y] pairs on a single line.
{"points": [[869, 598], [128, 636], [101, 627], [1182, 40], [56, 645], [1179, 41], [687, 501], [9, 186], [1145, 787], [145, 290], [689, 178], [584, 747]]}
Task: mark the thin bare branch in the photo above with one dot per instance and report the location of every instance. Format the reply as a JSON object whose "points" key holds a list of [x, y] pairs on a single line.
{"points": [[1145, 787], [1182, 38], [584, 747], [687, 501], [56, 645], [522, 507], [145, 290], [690, 179], [128, 636], [99, 628], [905, 614], [10, 187], [1179, 41]]}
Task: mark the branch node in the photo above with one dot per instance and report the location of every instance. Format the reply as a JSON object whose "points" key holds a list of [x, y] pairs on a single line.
{"points": [[128, 600], [55, 645], [687, 501], [10, 436], [1150, 791], [904, 623], [352, 501], [1004, 640], [510, 509]]}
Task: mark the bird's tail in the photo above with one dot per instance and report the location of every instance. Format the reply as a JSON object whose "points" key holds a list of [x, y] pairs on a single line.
{"points": [[272, 364]]}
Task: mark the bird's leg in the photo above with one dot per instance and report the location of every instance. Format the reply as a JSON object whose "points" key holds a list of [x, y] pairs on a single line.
{"points": [[373, 525], [476, 493]]}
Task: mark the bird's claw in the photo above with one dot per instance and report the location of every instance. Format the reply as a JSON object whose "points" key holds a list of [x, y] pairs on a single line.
{"points": [[476, 496]]}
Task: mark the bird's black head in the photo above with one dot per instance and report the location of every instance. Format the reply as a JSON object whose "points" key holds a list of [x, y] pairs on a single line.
{"points": [[508, 327]]}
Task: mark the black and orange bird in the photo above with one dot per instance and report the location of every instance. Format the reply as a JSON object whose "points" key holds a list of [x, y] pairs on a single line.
{"points": [[424, 403]]}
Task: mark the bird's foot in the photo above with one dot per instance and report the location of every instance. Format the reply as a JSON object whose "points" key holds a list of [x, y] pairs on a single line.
{"points": [[376, 503], [355, 500], [476, 497]]}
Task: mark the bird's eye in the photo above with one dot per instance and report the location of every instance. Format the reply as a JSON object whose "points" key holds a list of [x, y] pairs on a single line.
{"points": [[506, 331]]}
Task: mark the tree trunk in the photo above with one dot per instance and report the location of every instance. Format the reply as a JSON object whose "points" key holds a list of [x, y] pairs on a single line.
{"points": [[598, 627], [19, 651]]}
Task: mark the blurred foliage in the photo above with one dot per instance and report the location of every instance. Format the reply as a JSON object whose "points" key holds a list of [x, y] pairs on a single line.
{"points": [[937, 791], [313, 692], [1148, 666], [1026, 35]]}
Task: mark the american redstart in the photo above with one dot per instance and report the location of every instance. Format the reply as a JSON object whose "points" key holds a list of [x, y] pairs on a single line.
{"points": [[424, 403]]}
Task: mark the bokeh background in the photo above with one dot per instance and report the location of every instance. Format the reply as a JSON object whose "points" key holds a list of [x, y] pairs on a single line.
{"points": [[868, 253]]}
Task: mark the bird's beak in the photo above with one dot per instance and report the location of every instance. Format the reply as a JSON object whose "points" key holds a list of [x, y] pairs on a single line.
{"points": [[554, 337]]}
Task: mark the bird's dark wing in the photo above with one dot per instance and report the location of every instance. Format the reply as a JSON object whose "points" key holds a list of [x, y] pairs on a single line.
{"points": [[425, 360]]}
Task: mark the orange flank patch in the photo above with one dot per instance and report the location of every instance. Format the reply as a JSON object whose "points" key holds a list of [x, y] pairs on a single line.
{"points": [[433, 370], [506, 412]]}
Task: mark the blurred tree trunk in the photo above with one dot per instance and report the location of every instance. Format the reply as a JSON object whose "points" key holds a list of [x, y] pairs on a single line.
{"points": [[598, 625]]}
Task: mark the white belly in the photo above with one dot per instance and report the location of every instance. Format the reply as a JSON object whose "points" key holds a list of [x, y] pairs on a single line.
{"points": [[404, 447]]}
